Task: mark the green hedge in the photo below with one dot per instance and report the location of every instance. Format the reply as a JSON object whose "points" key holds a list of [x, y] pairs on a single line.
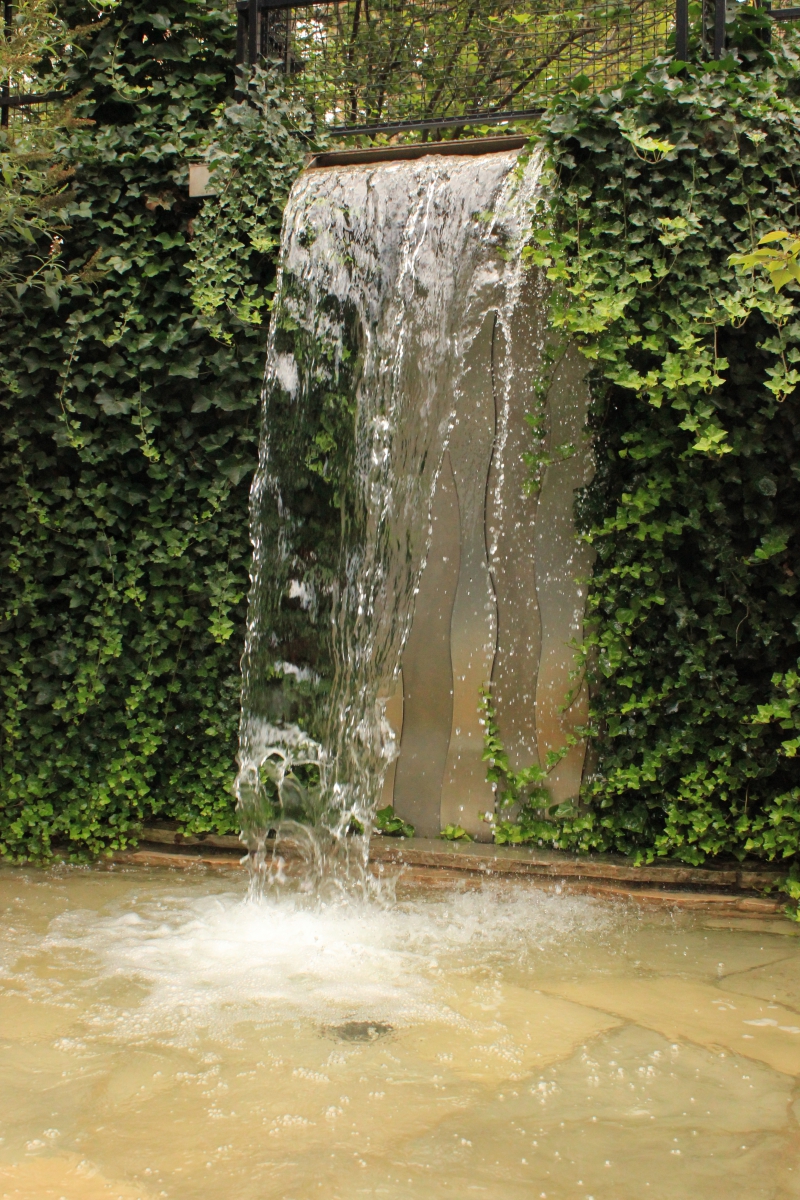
{"points": [[129, 433]]}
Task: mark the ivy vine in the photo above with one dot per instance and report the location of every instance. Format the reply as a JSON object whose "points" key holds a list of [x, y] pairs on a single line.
{"points": [[129, 433], [693, 632]]}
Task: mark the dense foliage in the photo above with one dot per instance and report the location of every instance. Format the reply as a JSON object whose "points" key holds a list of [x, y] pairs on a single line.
{"points": [[37, 48], [693, 634], [128, 436]]}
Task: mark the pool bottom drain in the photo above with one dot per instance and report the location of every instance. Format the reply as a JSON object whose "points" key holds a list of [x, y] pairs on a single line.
{"points": [[358, 1031]]}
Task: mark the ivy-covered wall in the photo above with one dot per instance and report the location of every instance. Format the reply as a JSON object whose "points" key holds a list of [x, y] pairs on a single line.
{"points": [[129, 385], [128, 436], [694, 627]]}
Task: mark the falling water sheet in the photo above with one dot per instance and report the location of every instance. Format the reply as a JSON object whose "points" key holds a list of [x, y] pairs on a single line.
{"points": [[387, 277]]}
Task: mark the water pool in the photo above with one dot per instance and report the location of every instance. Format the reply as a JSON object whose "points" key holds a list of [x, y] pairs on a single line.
{"points": [[163, 1037]]}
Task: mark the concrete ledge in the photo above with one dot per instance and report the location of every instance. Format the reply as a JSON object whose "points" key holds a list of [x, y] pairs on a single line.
{"points": [[729, 890]]}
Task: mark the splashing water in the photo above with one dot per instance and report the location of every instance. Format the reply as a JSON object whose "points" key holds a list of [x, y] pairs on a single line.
{"points": [[162, 1037], [387, 276], [207, 960]]}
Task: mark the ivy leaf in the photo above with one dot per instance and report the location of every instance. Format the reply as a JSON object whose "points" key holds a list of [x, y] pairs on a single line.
{"points": [[236, 468], [771, 544]]}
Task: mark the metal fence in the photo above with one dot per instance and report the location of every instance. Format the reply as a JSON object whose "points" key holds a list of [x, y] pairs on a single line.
{"points": [[383, 66], [373, 64], [716, 13], [21, 108]]}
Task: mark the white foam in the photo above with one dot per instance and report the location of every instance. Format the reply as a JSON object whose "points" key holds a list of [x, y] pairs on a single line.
{"points": [[212, 960]]}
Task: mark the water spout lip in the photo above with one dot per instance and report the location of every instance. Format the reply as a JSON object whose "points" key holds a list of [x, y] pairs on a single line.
{"points": [[377, 154]]}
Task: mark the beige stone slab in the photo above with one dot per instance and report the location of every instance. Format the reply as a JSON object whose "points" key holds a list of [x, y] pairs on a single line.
{"points": [[23, 1019], [778, 925], [632, 1117], [683, 1010], [170, 837], [469, 865], [507, 1032], [763, 877], [420, 851], [466, 793], [561, 560], [729, 905], [446, 871], [777, 983], [62, 1177], [159, 858], [519, 346], [662, 946], [428, 670], [521, 859]]}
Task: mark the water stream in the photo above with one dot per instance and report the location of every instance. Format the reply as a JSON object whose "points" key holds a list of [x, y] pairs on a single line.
{"points": [[388, 277]]}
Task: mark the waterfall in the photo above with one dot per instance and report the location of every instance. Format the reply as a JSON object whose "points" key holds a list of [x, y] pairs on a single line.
{"points": [[397, 291]]}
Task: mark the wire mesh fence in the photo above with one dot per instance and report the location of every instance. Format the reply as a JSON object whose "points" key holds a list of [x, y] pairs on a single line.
{"points": [[19, 109], [368, 63]]}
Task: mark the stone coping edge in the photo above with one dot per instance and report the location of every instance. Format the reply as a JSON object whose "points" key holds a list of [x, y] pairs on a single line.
{"points": [[448, 862], [721, 904], [360, 156]]}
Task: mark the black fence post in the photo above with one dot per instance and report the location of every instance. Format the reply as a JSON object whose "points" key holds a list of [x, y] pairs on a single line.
{"points": [[682, 30], [252, 33], [719, 27], [5, 91], [241, 32]]}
